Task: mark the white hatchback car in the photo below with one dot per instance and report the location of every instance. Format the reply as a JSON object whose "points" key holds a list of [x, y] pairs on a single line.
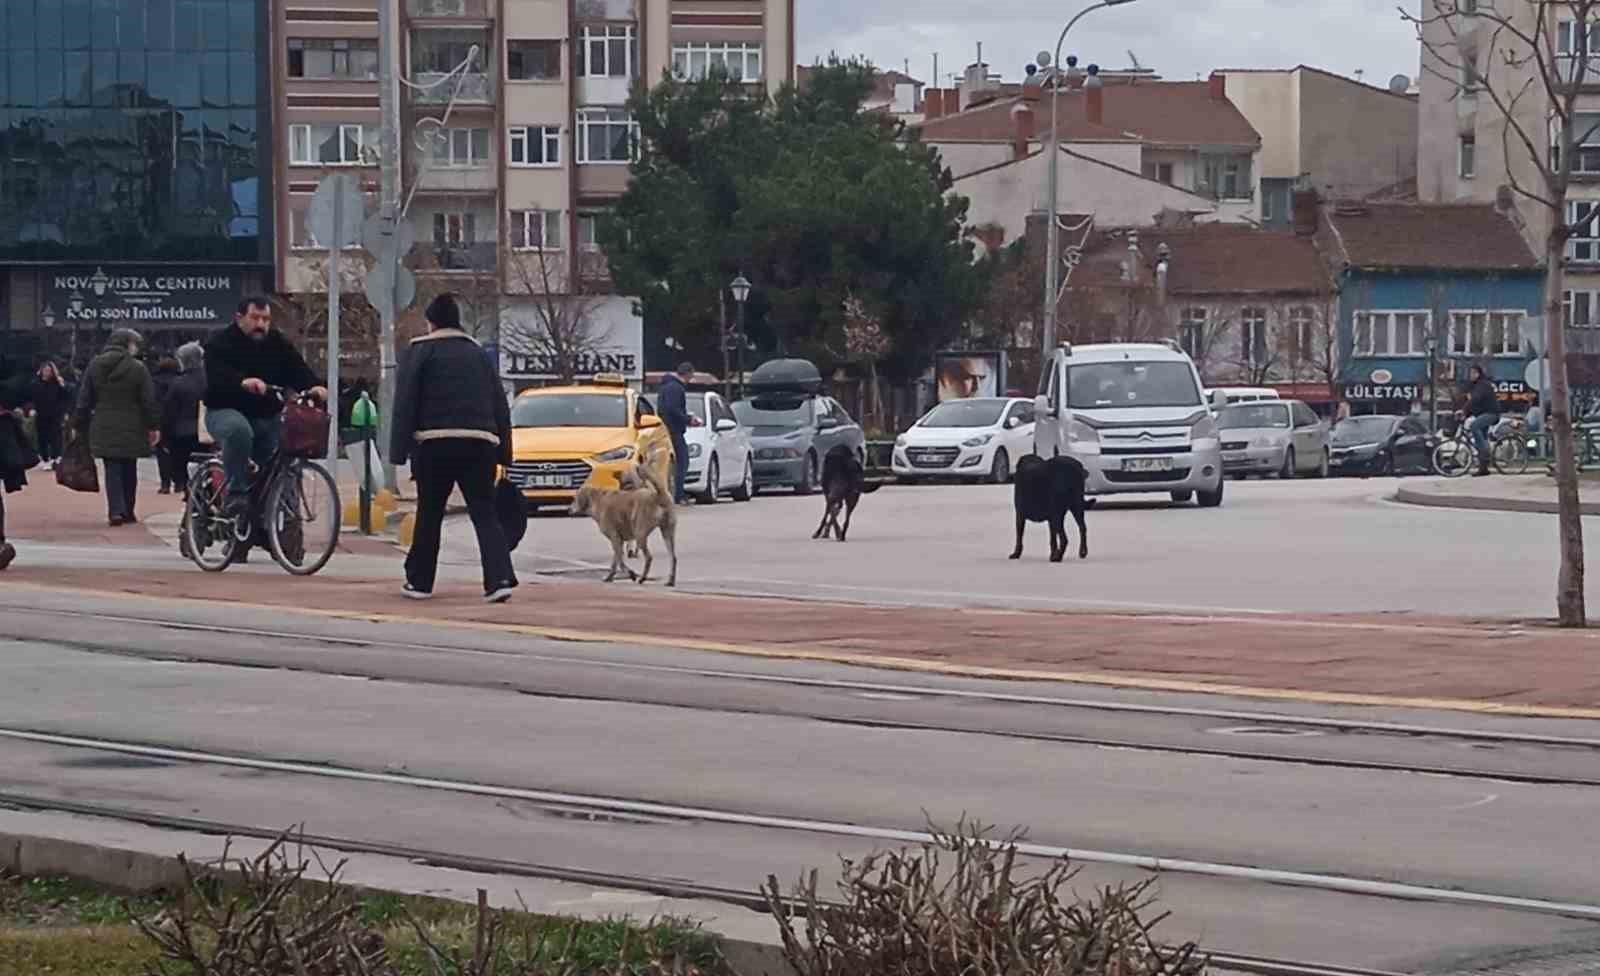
{"points": [[980, 437], [720, 460]]}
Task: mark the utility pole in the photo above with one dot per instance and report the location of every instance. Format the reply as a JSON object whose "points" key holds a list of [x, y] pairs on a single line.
{"points": [[389, 206]]}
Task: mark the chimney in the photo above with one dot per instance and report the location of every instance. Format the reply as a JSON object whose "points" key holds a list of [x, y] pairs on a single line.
{"points": [[1219, 86], [1023, 130], [932, 103], [1304, 212], [1095, 101]]}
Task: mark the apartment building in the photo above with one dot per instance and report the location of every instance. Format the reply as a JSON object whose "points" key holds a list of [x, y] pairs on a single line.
{"points": [[505, 189]]}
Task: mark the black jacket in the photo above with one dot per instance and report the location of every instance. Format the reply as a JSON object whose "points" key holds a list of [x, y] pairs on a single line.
{"points": [[672, 402], [1482, 400], [447, 389], [15, 454], [49, 399], [233, 357], [180, 409]]}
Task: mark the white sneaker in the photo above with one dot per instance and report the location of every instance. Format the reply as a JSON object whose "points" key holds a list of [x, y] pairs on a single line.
{"points": [[499, 594], [412, 593]]}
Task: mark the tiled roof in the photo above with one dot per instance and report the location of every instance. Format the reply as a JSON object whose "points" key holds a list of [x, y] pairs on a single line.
{"points": [[883, 84], [1442, 237], [1178, 113], [1215, 259]]}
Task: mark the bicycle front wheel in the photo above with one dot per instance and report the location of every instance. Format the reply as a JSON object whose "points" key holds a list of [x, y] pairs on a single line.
{"points": [[1453, 458], [302, 518], [206, 526], [1511, 455]]}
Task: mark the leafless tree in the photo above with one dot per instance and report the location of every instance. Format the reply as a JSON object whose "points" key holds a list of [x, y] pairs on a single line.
{"points": [[865, 342], [358, 320], [566, 332], [1527, 63]]}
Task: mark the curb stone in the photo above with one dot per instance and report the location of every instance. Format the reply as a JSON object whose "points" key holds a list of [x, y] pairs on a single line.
{"points": [[1481, 503], [133, 871]]}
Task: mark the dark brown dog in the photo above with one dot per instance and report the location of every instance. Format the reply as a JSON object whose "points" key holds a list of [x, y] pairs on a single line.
{"points": [[1045, 491], [844, 481]]}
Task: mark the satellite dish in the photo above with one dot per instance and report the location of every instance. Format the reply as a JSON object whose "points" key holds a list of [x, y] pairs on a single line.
{"points": [[1044, 59], [1399, 84]]}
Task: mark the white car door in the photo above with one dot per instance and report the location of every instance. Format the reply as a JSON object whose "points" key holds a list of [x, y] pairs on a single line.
{"points": [[733, 446], [1018, 438]]}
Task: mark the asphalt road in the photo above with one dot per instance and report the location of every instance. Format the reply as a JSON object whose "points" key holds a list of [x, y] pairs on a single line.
{"points": [[1338, 545], [751, 739]]}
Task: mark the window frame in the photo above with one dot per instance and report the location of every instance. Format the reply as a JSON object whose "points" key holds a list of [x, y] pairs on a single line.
{"points": [[1510, 322], [604, 34], [1467, 155], [1416, 349], [686, 52], [471, 161], [347, 46], [305, 132], [1591, 310], [586, 121], [1588, 244], [546, 137], [1253, 321], [548, 220], [1192, 322], [560, 64]]}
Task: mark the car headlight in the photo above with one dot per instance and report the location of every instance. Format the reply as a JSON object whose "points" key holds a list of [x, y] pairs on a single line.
{"points": [[977, 441], [615, 454], [1205, 429], [1079, 432], [694, 450], [791, 452], [900, 441]]}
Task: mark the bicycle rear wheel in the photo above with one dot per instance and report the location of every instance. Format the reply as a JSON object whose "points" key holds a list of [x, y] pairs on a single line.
{"points": [[1453, 458], [1510, 455], [302, 517], [205, 521]]}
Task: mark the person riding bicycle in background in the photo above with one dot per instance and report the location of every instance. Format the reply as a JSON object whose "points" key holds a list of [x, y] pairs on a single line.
{"points": [[242, 361], [1483, 406]]}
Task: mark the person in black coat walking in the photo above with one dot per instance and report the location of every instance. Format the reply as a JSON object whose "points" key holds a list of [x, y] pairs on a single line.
{"points": [[180, 412], [50, 399], [16, 455], [673, 399], [452, 422], [163, 376]]}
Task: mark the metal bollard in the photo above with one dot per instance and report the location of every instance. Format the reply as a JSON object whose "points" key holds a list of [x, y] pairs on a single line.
{"points": [[364, 418]]}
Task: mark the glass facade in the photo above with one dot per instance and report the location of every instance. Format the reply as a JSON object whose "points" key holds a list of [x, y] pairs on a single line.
{"points": [[134, 130]]}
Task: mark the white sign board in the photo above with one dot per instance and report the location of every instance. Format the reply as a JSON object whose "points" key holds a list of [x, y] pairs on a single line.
{"points": [[613, 339]]}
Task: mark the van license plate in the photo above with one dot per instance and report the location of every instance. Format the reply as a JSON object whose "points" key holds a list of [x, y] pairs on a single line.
{"points": [[548, 481], [1147, 464]]}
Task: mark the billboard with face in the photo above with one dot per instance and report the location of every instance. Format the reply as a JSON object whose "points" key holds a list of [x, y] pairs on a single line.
{"points": [[963, 375]]}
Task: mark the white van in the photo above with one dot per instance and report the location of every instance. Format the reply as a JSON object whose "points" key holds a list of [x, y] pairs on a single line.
{"points": [[1244, 394], [1133, 413]]}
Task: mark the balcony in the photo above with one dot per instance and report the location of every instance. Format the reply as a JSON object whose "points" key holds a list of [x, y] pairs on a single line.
{"points": [[478, 259], [419, 9], [436, 52]]}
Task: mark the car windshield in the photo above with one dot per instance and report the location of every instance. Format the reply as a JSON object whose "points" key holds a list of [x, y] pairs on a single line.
{"points": [[964, 413], [790, 412], [571, 410], [1254, 415], [1363, 430], [1132, 384]]}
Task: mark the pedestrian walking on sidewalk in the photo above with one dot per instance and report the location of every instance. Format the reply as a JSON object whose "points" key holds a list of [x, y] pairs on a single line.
{"points": [[180, 412], [117, 407], [48, 396], [16, 454], [163, 376], [452, 422], [674, 410]]}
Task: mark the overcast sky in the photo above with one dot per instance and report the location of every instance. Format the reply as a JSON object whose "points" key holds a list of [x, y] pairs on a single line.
{"points": [[1180, 39]]}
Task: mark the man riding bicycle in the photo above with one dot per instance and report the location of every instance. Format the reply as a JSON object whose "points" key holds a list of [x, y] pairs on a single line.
{"points": [[242, 362], [1483, 406]]}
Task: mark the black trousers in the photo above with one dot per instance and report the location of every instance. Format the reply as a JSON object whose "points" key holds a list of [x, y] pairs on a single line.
{"points": [[2, 516], [49, 435], [122, 486], [438, 467], [180, 451]]}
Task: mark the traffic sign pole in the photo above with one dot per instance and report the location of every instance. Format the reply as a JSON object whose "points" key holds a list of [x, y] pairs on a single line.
{"points": [[334, 256]]}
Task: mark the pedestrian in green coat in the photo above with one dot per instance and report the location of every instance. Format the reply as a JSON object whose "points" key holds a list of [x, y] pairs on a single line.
{"points": [[117, 406]]}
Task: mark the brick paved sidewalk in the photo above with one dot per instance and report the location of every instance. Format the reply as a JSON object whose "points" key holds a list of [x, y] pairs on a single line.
{"points": [[1398, 659]]}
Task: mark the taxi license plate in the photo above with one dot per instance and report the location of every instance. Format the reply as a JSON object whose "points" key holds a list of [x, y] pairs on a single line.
{"points": [[1147, 464], [547, 481]]}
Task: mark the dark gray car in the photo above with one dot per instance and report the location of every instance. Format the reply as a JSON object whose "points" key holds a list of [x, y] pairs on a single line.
{"points": [[791, 432]]}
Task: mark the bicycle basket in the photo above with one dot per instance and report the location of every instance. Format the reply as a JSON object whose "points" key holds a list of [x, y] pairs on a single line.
{"points": [[305, 430]]}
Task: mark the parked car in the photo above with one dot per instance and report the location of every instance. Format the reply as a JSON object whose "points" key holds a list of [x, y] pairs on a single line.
{"points": [[1133, 414], [793, 425], [561, 436], [1281, 437], [719, 450], [981, 437], [1381, 445]]}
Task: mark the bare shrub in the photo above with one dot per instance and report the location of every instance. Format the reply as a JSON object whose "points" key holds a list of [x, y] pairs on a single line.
{"points": [[959, 906]]}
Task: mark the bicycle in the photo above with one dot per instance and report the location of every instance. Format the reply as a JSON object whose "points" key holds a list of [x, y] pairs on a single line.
{"points": [[293, 507], [1457, 455]]}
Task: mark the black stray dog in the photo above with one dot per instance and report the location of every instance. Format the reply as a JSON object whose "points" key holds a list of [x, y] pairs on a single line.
{"points": [[1045, 492], [844, 481]]}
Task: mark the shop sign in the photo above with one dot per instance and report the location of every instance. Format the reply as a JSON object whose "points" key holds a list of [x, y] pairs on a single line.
{"points": [[1382, 391], [134, 297]]}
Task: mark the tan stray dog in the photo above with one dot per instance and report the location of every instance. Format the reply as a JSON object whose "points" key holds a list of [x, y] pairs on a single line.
{"points": [[630, 516]]}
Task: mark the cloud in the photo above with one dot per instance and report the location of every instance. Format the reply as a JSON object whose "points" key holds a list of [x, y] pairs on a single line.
{"points": [[1180, 39]]}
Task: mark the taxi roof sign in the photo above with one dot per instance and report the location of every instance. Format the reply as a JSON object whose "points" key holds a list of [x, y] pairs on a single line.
{"points": [[610, 379]]}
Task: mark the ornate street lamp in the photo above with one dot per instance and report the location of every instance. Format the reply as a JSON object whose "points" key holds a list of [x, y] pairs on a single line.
{"points": [[740, 287]]}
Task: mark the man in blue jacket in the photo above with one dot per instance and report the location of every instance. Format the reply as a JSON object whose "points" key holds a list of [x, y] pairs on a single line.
{"points": [[673, 405]]}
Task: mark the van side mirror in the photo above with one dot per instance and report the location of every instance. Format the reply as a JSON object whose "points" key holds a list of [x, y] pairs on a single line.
{"points": [[1219, 399], [1041, 406], [724, 425], [1012, 423]]}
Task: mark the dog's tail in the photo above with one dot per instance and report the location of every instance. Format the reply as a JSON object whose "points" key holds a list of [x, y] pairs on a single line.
{"points": [[647, 468], [868, 487]]}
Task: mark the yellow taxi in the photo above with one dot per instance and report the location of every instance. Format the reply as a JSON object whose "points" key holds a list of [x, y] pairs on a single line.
{"points": [[564, 436]]}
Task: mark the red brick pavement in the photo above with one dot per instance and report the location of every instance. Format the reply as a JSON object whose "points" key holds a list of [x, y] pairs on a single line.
{"points": [[1497, 664]]}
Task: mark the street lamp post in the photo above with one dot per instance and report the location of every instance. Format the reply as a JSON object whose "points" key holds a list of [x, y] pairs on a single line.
{"points": [[740, 286], [1431, 345], [1052, 267]]}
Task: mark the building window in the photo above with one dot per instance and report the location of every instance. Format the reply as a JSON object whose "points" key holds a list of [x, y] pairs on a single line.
{"points": [[437, 52], [605, 135], [1253, 340], [1192, 330], [331, 58], [538, 145], [454, 229], [536, 230], [1583, 216], [1585, 141], [533, 60], [1400, 334], [589, 232], [460, 148], [1580, 309], [1575, 52], [328, 145], [1486, 333], [607, 51], [1302, 332], [735, 60], [1471, 80], [1160, 172], [1228, 177], [1467, 156]]}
